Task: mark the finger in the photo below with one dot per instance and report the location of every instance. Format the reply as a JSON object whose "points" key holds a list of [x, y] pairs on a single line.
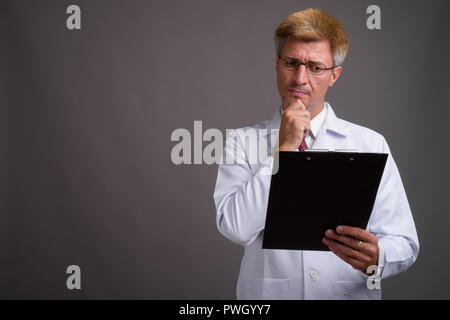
{"points": [[357, 233], [306, 128], [303, 123], [298, 118], [351, 261], [301, 113], [347, 251], [300, 104], [351, 242], [296, 105], [303, 127], [297, 114]]}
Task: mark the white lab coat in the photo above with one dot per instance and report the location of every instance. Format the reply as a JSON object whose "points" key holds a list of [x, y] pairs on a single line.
{"points": [[241, 197]]}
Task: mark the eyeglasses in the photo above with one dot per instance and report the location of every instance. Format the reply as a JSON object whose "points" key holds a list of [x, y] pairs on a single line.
{"points": [[314, 68]]}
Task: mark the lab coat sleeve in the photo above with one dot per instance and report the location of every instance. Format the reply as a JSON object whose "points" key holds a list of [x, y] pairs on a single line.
{"points": [[241, 193], [392, 222]]}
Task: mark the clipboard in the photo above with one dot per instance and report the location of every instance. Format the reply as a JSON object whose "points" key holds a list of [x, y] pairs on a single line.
{"points": [[314, 191]]}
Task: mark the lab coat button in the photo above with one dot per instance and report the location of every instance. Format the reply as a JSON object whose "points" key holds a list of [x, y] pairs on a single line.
{"points": [[314, 274]]}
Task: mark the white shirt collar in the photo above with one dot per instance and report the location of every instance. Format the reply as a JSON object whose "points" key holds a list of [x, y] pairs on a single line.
{"points": [[317, 121]]}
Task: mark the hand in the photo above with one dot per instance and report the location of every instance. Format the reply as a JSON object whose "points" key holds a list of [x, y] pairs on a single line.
{"points": [[344, 243], [295, 124]]}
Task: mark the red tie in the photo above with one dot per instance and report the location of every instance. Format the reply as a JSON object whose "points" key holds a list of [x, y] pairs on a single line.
{"points": [[303, 145]]}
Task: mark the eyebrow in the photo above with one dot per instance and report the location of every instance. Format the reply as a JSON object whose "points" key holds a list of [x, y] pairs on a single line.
{"points": [[316, 62]]}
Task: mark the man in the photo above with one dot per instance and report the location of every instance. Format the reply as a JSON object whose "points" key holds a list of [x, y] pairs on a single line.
{"points": [[311, 47]]}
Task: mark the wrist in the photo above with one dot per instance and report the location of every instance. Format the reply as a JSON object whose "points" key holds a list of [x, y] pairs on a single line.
{"points": [[285, 147]]}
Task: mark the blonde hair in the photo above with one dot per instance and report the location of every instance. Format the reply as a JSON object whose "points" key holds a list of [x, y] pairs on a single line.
{"points": [[314, 25]]}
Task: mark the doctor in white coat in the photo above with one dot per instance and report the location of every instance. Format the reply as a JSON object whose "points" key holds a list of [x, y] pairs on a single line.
{"points": [[311, 47]]}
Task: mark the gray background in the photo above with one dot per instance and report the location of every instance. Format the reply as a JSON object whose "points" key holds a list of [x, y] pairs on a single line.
{"points": [[87, 116]]}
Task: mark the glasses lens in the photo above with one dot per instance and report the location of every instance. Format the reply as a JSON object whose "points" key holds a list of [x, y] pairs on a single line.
{"points": [[315, 68], [293, 65], [289, 64]]}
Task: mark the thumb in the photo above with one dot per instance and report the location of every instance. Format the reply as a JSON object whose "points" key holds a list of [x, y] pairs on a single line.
{"points": [[297, 105]]}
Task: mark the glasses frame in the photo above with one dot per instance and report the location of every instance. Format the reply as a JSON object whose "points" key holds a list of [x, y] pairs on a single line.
{"points": [[305, 64]]}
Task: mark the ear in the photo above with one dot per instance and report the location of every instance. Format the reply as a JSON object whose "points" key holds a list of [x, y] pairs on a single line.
{"points": [[277, 61], [335, 75]]}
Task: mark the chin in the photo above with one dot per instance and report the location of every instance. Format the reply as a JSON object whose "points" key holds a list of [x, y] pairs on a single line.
{"points": [[288, 101]]}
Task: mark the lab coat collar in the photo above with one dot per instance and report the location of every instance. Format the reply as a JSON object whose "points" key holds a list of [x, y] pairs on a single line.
{"points": [[333, 123]]}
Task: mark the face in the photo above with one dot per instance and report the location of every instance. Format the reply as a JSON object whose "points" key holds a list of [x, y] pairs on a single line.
{"points": [[310, 89]]}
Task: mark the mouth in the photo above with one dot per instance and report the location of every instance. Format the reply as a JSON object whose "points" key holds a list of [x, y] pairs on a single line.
{"points": [[297, 93]]}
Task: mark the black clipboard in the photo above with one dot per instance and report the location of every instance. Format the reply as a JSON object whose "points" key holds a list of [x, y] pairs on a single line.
{"points": [[315, 191]]}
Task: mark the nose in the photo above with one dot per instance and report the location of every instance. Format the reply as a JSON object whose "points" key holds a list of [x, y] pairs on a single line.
{"points": [[301, 76]]}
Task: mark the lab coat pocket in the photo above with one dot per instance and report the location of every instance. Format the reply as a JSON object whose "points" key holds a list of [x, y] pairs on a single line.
{"points": [[268, 289], [354, 290]]}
